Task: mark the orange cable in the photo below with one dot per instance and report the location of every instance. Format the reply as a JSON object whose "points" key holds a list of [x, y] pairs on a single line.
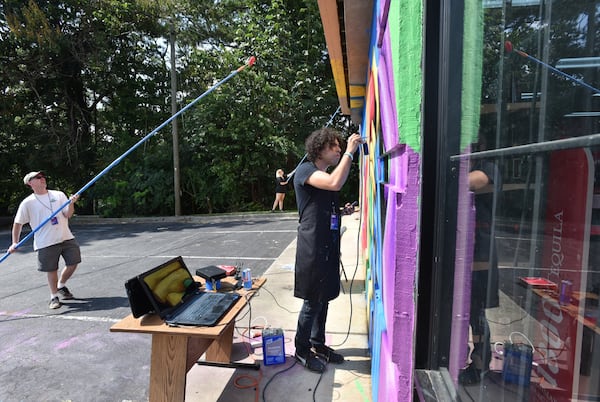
{"points": [[253, 383]]}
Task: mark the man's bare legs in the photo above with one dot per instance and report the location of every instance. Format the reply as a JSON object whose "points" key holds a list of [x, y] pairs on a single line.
{"points": [[53, 280]]}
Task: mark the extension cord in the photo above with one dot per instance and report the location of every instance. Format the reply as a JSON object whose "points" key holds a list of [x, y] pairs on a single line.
{"points": [[256, 342], [256, 338]]}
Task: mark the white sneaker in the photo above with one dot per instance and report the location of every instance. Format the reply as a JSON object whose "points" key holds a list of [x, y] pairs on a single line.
{"points": [[54, 303]]}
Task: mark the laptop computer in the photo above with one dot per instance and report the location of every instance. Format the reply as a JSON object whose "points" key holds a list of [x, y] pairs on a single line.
{"points": [[138, 301], [174, 296]]}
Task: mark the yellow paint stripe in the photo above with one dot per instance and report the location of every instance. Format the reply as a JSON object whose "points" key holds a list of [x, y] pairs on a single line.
{"points": [[357, 91]]}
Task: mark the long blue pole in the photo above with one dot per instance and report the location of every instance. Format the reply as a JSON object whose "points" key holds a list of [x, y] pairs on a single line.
{"points": [[305, 155], [559, 72], [509, 48], [250, 62]]}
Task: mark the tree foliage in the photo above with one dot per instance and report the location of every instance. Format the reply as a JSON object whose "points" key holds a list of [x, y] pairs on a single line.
{"points": [[81, 82]]}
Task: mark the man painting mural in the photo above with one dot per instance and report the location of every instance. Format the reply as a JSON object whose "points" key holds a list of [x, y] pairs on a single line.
{"points": [[485, 181]]}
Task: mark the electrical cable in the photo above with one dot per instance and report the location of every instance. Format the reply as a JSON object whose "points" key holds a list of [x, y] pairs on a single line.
{"points": [[266, 325], [523, 336], [355, 270], [350, 298], [276, 374], [510, 322], [249, 311], [276, 302], [351, 282], [254, 382], [316, 387]]}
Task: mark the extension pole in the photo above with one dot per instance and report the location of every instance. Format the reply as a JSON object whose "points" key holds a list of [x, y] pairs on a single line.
{"points": [[305, 155], [508, 47], [249, 63]]}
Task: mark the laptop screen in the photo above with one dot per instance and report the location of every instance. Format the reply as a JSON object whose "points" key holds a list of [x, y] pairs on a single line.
{"points": [[138, 299], [167, 284]]}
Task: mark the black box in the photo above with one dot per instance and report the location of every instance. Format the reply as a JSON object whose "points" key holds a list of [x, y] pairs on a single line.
{"points": [[211, 273]]}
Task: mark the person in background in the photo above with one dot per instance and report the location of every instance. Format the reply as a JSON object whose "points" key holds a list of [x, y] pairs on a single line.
{"points": [[349, 208], [54, 239], [317, 269], [485, 181], [281, 182]]}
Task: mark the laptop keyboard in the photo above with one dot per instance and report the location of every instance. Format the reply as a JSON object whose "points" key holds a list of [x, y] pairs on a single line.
{"points": [[208, 307]]}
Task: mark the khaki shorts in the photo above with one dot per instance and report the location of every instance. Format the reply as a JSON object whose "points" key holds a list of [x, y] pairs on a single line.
{"points": [[48, 256]]}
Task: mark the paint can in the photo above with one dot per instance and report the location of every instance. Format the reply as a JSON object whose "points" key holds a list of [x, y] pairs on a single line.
{"points": [[273, 346], [566, 287], [213, 284], [518, 360], [247, 278]]}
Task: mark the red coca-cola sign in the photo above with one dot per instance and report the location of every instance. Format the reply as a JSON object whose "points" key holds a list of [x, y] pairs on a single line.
{"points": [[559, 327]]}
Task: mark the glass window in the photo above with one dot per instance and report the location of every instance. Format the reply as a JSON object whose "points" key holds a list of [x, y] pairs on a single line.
{"points": [[527, 263]]}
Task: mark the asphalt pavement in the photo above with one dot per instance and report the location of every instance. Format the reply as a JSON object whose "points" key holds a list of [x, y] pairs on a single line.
{"points": [[69, 354]]}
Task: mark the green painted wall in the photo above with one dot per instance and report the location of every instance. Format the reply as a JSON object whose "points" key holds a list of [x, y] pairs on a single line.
{"points": [[472, 71], [407, 46]]}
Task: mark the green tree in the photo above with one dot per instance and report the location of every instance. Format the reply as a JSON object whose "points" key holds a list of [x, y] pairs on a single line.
{"points": [[84, 81], [257, 123], [70, 64]]}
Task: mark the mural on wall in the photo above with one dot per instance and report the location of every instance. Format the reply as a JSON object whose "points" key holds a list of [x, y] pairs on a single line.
{"points": [[391, 190]]}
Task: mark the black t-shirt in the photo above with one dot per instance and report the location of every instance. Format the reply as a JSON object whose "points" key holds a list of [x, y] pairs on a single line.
{"points": [[483, 210], [485, 283], [280, 188]]}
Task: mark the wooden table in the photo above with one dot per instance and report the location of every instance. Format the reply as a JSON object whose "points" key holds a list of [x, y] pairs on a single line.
{"points": [[175, 350], [574, 310]]}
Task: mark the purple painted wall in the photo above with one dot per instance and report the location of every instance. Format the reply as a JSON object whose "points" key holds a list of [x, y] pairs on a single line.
{"points": [[465, 227], [406, 235], [393, 368]]}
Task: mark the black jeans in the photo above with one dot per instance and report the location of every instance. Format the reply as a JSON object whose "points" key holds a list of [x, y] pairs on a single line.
{"points": [[311, 326], [481, 355]]}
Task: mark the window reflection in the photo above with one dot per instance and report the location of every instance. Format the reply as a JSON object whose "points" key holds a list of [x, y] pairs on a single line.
{"points": [[529, 209]]}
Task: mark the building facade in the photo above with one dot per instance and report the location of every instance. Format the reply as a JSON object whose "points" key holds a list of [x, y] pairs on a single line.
{"points": [[479, 215]]}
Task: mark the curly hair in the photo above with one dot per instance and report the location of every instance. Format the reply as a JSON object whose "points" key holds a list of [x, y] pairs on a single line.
{"points": [[320, 139]]}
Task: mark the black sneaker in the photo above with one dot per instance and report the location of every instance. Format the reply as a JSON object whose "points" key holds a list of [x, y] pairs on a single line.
{"points": [[54, 303], [311, 361], [328, 354], [64, 292]]}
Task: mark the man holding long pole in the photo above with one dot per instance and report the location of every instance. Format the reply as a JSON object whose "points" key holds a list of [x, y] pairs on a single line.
{"points": [[53, 239], [249, 62]]}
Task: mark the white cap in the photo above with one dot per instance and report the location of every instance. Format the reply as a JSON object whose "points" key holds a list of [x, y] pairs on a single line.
{"points": [[30, 176]]}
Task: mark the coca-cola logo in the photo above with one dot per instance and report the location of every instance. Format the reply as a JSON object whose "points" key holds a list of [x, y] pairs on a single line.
{"points": [[550, 343]]}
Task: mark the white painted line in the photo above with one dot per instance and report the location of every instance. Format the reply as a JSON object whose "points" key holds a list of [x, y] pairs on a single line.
{"points": [[220, 257], [61, 317]]}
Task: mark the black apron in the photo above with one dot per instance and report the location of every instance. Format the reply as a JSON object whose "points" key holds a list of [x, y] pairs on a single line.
{"points": [[318, 246]]}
